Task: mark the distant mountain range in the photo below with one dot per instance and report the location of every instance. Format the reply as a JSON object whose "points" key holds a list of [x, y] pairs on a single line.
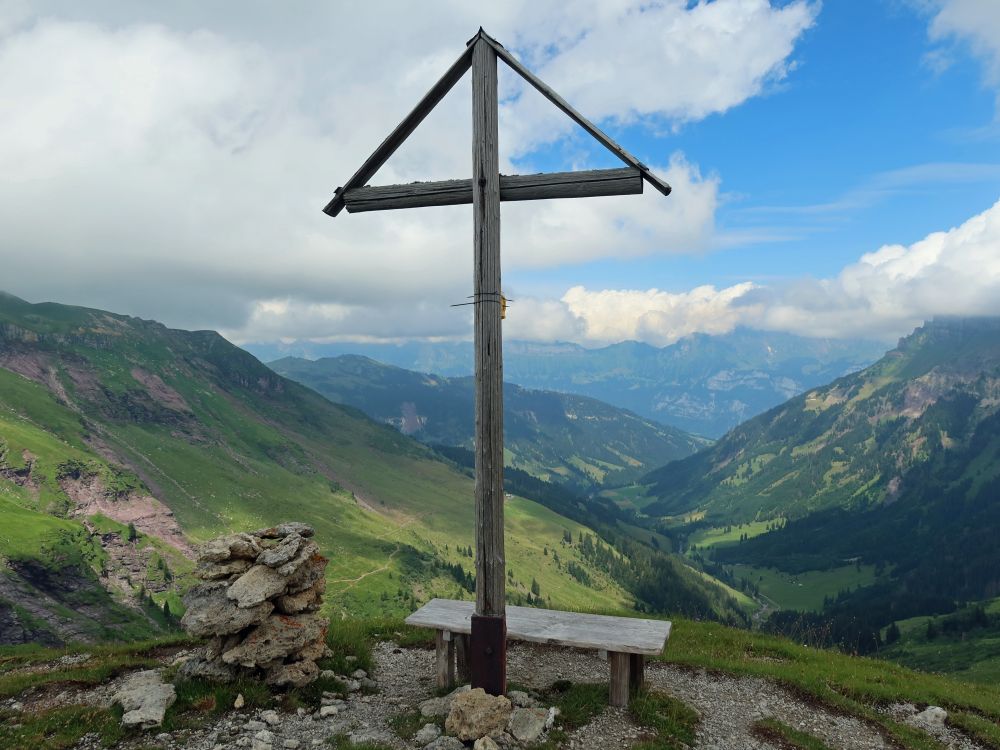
{"points": [[702, 384], [554, 436]]}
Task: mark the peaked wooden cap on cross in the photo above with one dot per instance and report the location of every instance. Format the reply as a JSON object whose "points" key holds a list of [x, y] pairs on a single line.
{"points": [[356, 197]]}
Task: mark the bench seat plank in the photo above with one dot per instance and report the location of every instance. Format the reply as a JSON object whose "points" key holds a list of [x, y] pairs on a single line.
{"points": [[615, 634]]}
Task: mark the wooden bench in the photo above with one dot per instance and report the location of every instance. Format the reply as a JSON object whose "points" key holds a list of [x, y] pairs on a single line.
{"points": [[627, 641]]}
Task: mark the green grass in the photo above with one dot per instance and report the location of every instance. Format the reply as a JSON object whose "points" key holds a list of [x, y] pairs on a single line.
{"points": [[983, 730], [745, 601], [724, 535], [630, 496], [805, 591], [199, 701], [973, 656], [343, 742], [578, 704], [672, 722], [108, 661], [840, 683], [786, 737], [409, 723], [852, 685], [59, 728]]}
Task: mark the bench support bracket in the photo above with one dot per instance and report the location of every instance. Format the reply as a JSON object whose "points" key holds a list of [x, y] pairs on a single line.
{"points": [[636, 672], [487, 654], [462, 658]]}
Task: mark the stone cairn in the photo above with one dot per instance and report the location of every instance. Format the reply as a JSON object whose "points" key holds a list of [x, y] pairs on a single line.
{"points": [[258, 604]]}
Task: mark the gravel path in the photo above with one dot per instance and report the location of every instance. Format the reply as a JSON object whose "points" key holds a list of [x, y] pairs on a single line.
{"points": [[728, 707]]}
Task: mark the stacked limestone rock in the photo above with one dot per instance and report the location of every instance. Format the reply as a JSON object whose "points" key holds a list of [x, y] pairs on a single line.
{"points": [[258, 604]]}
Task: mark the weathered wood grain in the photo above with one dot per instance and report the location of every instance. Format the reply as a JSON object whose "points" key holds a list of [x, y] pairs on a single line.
{"points": [[395, 139], [622, 634], [491, 575], [445, 653], [619, 663], [531, 187]]}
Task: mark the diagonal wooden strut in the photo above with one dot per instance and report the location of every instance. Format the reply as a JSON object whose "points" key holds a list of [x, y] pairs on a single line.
{"points": [[579, 119], [388, 147], [518, 187], [395, 139]]}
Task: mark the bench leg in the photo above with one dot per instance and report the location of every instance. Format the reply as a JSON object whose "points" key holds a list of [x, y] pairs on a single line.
{"points": [[619, 678], [445, 648], [462, 657], [636, 672]]}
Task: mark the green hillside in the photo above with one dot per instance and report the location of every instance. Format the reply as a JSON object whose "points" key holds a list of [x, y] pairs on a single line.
{"points": [[109, 419], [557, 437], [852, 443], [892, 473]]}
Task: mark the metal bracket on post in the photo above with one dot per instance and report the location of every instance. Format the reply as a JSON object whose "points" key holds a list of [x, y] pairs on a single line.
{"points": [[488, 650]]}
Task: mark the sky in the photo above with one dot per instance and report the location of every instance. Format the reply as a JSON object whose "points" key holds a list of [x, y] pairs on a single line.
{"points": [[835, 165]]}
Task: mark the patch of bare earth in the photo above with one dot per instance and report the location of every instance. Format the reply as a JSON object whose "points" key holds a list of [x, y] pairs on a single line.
{"points": [[160, 392], [146, 513]]}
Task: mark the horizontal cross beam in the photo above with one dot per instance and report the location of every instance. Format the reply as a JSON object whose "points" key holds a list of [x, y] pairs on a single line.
{"points": [[530, 187]]}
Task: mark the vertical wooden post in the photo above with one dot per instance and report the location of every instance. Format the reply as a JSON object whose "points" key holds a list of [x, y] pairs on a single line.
{"points": [[619, 678], [488, 640], [445, 653]]}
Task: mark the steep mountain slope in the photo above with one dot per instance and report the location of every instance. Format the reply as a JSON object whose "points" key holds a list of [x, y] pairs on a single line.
{"points": [[554, 436], [853, 443], [897, 467], [701, 384], [107, 421]]}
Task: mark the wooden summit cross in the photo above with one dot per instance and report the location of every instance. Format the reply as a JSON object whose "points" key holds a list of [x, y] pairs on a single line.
{"points": [[488, 650]]}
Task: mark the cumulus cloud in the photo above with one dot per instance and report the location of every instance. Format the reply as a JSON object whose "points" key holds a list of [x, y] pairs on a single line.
{"points": [[171, 160], [885, 294], [681, 63], [889, 291]]}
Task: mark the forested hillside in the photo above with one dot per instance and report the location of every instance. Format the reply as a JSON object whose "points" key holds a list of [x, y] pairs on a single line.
{"points": [[893, 471], [702, 384], [555, 436]]}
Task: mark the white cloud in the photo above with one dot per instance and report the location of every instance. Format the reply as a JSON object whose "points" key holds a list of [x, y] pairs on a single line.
{"points": [[885, 294], [171, 160], [888, 292], [975, 23], [652, 315], [681, 64]]}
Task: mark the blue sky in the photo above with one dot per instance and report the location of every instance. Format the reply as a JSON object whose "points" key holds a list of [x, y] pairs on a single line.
{"points": [[836, 165], [864, 144]]}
